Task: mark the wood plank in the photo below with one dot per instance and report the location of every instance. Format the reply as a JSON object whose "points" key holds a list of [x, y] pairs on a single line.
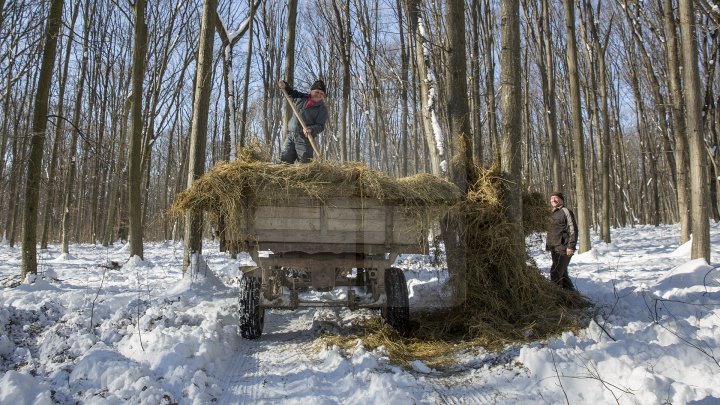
{"points": [[287, 212], [355, 225], [293, 224], [314, 236], [368, 249], [355, 213]]}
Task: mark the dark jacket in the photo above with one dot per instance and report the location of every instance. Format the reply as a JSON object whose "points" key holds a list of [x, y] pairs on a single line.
{"points": [[314, 116], [562, 232]]}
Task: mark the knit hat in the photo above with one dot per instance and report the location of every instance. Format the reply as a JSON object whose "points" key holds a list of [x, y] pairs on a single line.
{"points": [[318, 85], [558, 195]]}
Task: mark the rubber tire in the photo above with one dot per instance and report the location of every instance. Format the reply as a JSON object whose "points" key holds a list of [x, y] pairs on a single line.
{"points": [[252, 316], [397, 309]]}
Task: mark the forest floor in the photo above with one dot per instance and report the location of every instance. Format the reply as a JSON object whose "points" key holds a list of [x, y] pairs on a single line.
{"points": [[145, 334]]}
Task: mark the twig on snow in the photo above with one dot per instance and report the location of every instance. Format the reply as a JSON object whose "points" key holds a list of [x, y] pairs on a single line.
{"points": [[97, 294], [557, 374]]}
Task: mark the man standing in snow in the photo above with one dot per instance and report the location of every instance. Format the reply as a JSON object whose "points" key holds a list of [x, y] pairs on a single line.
{"points": [[561, 241], [312, 109]]}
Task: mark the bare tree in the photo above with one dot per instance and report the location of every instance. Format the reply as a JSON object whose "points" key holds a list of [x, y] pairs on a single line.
{"points": [[70, 179], [292, 6], [39, 125], [511, 90], [426, 101], [693, 116], [577, 129], [198, 132], [59, 127], [135, 171]]}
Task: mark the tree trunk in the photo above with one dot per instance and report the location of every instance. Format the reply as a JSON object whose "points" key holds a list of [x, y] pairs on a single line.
{"points": [[135, 172], [549, 97], [655, 89], [511, 94], [599, 50], [693, 116], [98, 173], [490, 80], [198, 132], [583, 214], [475, 82], [425, 84], [290, 58], [39, 124], [403, 82], [59, 128], [70, 179], [2, 13], [246, 85], [5, 134]]}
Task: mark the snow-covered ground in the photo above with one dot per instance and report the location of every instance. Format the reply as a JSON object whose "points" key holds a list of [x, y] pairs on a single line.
{"points": [[143, 334]]}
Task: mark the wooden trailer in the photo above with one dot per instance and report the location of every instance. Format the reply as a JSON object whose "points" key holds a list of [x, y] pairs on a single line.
{"points": [[304, 244]]}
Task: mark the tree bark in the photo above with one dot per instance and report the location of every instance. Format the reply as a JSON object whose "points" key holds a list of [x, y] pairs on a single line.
{"points": [[59, 128], [511, 94], [39, 125], [246, 84], [549, 101], [70, 179], [583, 212], [290, 57], [475, 82], [135, 172], [198, 132], [425, 83], [599, 50], [489, 36], [693, 116]]}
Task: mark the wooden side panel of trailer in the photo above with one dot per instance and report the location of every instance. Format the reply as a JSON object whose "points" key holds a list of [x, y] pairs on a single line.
{"points": [[340, 225]]}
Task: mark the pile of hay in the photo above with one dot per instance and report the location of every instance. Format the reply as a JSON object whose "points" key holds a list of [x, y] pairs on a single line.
{"points": [[507, 298], [229, 188]]}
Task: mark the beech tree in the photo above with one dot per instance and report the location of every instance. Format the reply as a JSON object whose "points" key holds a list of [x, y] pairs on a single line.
{"points": [[39, 124]]}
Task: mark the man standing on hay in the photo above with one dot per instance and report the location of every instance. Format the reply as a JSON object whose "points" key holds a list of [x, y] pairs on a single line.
{"points": [[561, 241], [311, 108]]}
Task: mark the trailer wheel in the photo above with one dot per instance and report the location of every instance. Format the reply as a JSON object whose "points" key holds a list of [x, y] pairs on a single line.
{"points": [[252, 316], [397, 309]]}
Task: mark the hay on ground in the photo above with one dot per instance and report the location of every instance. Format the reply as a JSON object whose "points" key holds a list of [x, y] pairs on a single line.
{"points": [[508, 299]]}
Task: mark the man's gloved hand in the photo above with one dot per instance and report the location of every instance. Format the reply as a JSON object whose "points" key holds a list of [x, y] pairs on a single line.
{"points": [[570, 251], [282, 84]]}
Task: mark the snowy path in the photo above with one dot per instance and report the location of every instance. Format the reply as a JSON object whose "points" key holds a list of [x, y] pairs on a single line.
{"points": [[249, 376], [255, 373], [157, 337]]}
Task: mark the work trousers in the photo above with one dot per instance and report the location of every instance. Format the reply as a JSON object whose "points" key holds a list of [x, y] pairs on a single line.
{"points": [[296, 148], [559, 270]]}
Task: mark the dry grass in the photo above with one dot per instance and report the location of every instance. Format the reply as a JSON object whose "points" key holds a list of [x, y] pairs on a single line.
{"points": [[507, 299], [231, 189]]}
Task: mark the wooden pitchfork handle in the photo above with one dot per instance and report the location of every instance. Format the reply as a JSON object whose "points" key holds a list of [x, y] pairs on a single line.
{"points": [[310, 136]]}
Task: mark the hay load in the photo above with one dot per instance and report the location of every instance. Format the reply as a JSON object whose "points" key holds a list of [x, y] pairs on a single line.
{"points": [[507, 299], [230, 189]]}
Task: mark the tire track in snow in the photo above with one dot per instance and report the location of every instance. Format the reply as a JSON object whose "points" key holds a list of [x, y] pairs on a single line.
{"points": [[451, 396], [245, 381], [465, 389]]}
